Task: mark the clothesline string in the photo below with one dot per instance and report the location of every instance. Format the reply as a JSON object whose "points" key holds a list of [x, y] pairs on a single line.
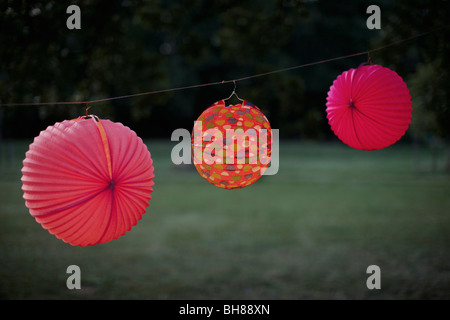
{"points": [[367, 52]]}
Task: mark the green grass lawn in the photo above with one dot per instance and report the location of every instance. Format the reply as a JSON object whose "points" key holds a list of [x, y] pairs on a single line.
{"points": [[309, 232]]}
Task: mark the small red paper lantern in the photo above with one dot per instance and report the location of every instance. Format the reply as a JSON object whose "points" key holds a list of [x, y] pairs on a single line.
{"points": [[87, 181], [369, 108], [231, 145]]}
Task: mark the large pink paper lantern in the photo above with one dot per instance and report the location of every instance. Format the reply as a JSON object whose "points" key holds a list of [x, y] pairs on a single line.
{"points": [[369, 108], [87, 181]]}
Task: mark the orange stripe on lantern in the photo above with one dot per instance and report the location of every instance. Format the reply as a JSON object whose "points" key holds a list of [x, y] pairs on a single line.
{"points": [[103, 138], [105, 143]]}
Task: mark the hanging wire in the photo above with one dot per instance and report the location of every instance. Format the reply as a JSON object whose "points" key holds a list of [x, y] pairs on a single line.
{"points": [[224, 81]]}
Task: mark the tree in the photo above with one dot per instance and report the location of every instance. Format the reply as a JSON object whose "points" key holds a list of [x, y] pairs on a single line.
{"points": [[45, 61], [425, 65]]}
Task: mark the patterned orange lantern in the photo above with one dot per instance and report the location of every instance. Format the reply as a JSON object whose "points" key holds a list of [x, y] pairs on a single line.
{"points": [[231, 145]]}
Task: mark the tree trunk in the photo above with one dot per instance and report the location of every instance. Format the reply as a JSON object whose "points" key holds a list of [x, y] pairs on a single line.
{"points": [[416, 156], [434, 153], [447, 162]]}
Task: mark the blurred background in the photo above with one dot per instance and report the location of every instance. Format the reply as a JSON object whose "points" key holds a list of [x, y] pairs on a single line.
{"points": [[308, 232]]}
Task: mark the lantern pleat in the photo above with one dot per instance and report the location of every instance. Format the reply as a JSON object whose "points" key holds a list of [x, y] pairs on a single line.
{"points": [[80, 192], [366, 131], [369, 108]]}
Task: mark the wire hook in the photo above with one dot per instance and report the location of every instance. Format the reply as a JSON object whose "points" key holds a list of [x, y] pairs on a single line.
{"points": [[369, 61], [87, 108], [234, 93]]}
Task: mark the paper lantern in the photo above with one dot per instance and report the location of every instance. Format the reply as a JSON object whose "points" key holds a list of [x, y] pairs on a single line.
{"points": [[87, 181], [231, 145], [369, 108]]}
